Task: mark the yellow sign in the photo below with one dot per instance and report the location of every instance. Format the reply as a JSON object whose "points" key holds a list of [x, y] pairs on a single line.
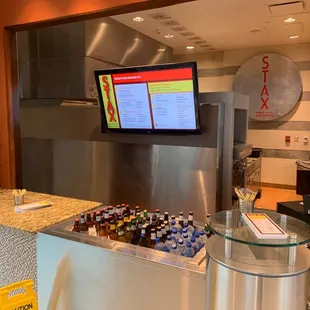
{"points": [[171, 87], [18, 296], [108, 97]]}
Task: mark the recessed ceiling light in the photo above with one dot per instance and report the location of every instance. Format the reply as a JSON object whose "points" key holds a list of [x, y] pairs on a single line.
{"points": [[290, 20], [138, 19], [169, 36], [161, 49], [293, 37], [190, 47]]}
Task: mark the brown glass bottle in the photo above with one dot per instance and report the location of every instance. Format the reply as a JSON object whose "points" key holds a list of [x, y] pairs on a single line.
{"points": [[154, 223], [157, 213], [120, 233], [139, 227], [94, 218], [166, 216], [137, 209], [106, 226], [111, 210], [83, 225], [134, 237], [76, 226], [127, 233], [113, 231], [164, 233], [191, 218], [181, 219], [161, 221], [98, 222], [118, 212], [145, 214], [152, 239], [167, 227], [159, 232], [143, 239], [89, 220], [126, 219]]}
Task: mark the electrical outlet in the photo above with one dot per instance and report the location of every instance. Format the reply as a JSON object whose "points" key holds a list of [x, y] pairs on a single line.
{"points": [[296, 138], [305, 139]]}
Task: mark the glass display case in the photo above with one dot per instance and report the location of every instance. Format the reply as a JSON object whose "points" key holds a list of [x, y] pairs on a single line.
{"points": [[244, 272]]}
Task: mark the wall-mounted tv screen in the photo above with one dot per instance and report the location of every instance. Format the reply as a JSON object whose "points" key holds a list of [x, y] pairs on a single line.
{"points": [[150, 99]]}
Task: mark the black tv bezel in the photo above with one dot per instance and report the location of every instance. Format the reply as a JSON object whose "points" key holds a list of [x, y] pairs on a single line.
{"points": [[192, 65]]}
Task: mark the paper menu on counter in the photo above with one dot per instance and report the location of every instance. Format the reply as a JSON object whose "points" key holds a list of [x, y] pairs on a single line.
{"points": [[263, 226], [32, 206]]}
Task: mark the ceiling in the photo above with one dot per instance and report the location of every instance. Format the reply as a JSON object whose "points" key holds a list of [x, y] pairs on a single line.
{"points": [[224, 24]]}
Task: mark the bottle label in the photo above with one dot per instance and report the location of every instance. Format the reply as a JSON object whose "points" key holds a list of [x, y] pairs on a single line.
{"points": [[128, 228], [143, 232], [106, 215], [181, 218], [159, 234], [82, 220], [92, 231], [153, 236], [190, 218], [98, 218], [120, 233]]}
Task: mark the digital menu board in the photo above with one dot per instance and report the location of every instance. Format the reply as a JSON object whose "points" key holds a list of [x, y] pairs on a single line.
{"points": [[162, 98]]}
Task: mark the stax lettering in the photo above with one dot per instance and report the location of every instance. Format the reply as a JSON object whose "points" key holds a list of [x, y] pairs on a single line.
{"points": [[106, 88], [264, 95], [25, 307]]}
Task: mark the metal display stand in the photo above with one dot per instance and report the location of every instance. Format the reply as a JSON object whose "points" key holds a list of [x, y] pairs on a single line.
{"points": [[244, 272]]}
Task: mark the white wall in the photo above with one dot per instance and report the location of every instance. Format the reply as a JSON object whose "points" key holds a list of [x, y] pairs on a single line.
{"points": [[274, 170]]}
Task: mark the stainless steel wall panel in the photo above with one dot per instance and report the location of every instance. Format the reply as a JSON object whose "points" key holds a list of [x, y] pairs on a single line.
{"points": [[172, 178]]}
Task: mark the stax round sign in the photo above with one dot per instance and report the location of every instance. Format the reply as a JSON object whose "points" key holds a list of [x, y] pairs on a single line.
{"points": [[272, 82]]}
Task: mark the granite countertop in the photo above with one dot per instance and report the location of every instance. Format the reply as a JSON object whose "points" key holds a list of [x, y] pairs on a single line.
{"points": [[62, 208]]}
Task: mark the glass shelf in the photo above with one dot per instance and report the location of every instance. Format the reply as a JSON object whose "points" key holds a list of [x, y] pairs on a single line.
{"points": [[241, 232]]}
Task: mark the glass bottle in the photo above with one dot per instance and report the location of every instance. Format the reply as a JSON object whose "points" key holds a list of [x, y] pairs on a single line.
{"points": [[98, 221], [145, 214], [127, 233], [164, 234], [138, 216], [153, 239], [134, 236], [154, 223], [111, 210], [120, 233], [118, 212], [106, 226], [157, 213], [172, 218], [161, 220], [181, 219], [159, 232], [168, 231], [89, 220], [94, 217], [137, 209], [143, 239], [83, 225], [166, 216], [191, 218], [76, 226], [113, 231], [139, 227]]}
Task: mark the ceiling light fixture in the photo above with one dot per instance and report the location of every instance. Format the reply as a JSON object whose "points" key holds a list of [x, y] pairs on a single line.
{"points": [[169, 36], [293, 37], [190, 47], [290, 20], [161, 49], [138, 19]]}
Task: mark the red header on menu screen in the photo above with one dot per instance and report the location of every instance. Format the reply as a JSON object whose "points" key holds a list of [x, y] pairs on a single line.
{"points": [[153, 76]]}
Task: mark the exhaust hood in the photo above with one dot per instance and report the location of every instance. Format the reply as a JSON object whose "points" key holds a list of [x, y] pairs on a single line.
{"points": [[59, 61]]}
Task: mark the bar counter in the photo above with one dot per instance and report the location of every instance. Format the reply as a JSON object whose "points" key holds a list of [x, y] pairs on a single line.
{"points": [[18, 231]]}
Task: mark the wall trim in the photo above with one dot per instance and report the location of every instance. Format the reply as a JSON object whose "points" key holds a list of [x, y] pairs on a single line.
{"points": [[281, 186]]}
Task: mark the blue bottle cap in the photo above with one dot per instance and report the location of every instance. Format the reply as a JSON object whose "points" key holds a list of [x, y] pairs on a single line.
{"points": [[173, 222], [196, 235], [180, 241], [193, 239], [202, 232], [174, 230], [185, 224], [184, 230], [185, 235], [188, 245], [174, 246], [169, 238], [157, 240]]}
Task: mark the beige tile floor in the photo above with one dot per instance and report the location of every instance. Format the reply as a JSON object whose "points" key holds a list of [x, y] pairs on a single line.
{"points": [[270, 197]]}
